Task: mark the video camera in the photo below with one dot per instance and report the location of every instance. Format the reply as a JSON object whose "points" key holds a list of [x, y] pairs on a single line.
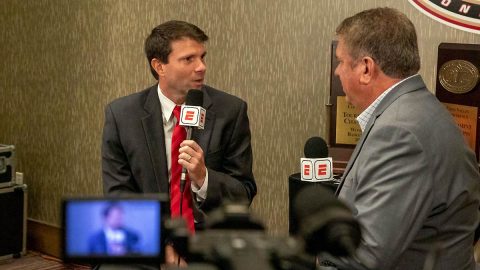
{"points": [[236, 240], [233, 240]]}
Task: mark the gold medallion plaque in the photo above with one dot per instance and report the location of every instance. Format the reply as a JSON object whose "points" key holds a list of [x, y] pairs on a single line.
{"points": [[458, 76], [458, 87]]}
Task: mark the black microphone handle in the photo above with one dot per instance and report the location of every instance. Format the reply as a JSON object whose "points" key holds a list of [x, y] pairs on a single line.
{"points": [[183, 177]]}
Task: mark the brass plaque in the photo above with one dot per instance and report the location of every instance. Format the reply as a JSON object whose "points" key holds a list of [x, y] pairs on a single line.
{"points": [[466, 119], [348, 130]]}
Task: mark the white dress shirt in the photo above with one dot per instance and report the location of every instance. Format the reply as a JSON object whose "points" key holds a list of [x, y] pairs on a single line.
{"points": [[115, 241]]}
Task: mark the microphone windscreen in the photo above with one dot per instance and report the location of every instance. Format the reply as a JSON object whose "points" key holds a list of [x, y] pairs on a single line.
{"points": [[314, 199], [316, 147], [194, 98], [325, 223]]}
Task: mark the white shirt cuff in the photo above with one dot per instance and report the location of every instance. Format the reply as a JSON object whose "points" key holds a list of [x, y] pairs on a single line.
{"points": [[202, 191]]}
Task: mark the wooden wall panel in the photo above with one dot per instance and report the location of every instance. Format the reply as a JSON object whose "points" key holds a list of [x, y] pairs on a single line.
{"points": [[63, 61]]}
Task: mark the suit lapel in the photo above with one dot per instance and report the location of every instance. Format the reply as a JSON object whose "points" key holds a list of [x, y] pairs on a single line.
{"points": [[202, 137], [155, 137], [355, 153], [409, 85]]}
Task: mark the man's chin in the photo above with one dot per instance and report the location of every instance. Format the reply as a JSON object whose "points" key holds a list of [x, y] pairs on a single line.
{"points": [[193, 86], [197, 86]]}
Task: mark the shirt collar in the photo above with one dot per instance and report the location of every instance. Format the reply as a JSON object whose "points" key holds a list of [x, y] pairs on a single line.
{"points": [[365, 116], [166, 104]]}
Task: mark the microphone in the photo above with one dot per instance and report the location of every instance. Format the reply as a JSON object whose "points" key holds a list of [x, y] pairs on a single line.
{"points": [[316, 166], [192, 115], [325, 223], [316, 150], [315, 147]]}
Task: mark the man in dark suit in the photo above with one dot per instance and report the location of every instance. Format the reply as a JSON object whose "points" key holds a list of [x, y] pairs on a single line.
{"points": [[140, 151], [114, 238], [412, 182]]}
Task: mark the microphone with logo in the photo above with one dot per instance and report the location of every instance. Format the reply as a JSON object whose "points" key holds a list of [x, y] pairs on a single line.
{"points": [[192, 116], [316, 169], [316, 166]]}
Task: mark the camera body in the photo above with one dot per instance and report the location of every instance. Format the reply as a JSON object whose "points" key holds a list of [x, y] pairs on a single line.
{"points": [[245, 250], [236, 240]]}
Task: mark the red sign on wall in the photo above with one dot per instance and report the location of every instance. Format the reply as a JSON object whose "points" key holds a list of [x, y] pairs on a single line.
{"points": [[461, 14]]}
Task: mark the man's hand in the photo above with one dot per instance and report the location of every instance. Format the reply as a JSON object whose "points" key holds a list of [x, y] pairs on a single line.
{"points": [[191, 157]]}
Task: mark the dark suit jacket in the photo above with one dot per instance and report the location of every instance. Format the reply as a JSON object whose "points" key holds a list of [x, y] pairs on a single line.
{"points": [[134, 156], [98, 242], [412, 182]]}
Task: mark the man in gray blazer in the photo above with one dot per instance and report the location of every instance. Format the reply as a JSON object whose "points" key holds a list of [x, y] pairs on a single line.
{"points": [[412, 182], [137, 136]]}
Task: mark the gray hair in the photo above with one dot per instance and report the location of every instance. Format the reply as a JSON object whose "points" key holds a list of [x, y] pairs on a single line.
{"points": [[386, 35]]}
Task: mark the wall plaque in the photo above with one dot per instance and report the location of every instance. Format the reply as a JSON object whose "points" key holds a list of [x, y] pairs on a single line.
{"points": [[466, 118]]}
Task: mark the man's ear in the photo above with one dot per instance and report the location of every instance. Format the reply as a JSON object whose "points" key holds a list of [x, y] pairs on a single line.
{"points": [[158, 66], [368, 71]]}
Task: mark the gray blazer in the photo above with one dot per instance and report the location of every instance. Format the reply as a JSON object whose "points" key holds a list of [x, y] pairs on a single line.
{"points": [[134, 155], [412, 182]]}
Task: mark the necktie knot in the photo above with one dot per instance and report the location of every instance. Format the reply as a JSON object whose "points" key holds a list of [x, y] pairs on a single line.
{"points": [[176, 112]]}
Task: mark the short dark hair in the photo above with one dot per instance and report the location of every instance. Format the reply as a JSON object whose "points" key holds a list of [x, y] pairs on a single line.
{"points": [[106, 211], [158, 43], [386, 35]]}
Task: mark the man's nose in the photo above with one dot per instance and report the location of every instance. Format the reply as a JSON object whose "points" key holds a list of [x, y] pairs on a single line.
{"points": [[201, 67]]}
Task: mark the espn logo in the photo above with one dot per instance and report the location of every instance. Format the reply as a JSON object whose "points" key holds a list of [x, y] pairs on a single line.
{"points": [[318, 169], [192, 116]]}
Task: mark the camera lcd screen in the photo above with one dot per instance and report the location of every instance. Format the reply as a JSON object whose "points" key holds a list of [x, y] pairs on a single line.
{"points": [[102, 230]]}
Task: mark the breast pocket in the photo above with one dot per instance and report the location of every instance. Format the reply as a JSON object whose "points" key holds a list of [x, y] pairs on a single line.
{"points": [[348, 191], [348, 182]]}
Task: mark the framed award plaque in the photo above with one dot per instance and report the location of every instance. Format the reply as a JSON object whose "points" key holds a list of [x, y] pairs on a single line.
{"points": [[458, 87]]}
